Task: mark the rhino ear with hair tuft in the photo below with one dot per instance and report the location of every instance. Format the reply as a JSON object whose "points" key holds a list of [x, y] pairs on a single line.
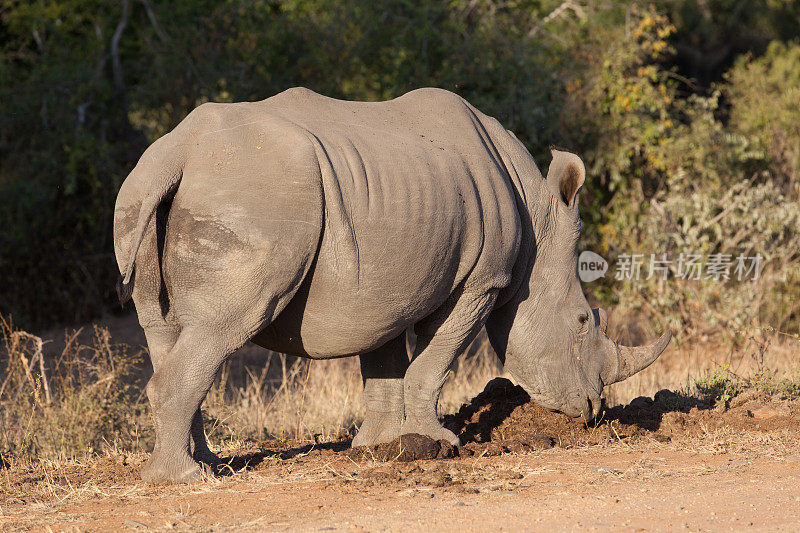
{"points": [[566, 175]]}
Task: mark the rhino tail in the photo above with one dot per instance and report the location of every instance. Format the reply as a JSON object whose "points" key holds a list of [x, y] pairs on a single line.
{"points": [[163, 185], [124, 290]]}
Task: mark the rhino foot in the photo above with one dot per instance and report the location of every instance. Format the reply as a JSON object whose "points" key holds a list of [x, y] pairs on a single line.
{"points": [[378, 429], [171, 469], [433, 430]]}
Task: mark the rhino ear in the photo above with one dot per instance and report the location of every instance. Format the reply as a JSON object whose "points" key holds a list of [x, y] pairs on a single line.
{"points": [[565, 175]]}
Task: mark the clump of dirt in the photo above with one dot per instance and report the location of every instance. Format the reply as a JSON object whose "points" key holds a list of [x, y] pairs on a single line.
{"points": [[503, 418], [405, 448]]}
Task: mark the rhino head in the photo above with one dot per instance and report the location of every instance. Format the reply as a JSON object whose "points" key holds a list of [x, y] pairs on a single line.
{"points": [[549, 338]]}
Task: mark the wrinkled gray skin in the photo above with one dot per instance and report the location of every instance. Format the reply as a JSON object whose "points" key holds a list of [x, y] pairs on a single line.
{"points": [[322, 228]]}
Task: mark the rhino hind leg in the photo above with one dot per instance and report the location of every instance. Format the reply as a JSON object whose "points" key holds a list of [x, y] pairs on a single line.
{"points": [[440, 339], [383, 371], [160, 340], [176, 391]]}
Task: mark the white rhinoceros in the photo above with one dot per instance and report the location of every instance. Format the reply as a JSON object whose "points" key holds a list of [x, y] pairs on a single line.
{"points": [[324, 228]]}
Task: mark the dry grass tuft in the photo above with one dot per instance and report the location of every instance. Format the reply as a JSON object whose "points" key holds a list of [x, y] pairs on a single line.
{"points": [[85, 400]]}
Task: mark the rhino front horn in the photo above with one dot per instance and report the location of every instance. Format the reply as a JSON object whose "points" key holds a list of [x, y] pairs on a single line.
{"points": [[628, 360]]}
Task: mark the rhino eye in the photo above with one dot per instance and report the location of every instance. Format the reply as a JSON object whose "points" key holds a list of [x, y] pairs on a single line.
{"points": [[583, 318]]}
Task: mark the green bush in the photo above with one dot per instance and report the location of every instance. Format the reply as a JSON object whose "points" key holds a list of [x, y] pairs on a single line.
{"points": [[670, 176], [764, 95]]}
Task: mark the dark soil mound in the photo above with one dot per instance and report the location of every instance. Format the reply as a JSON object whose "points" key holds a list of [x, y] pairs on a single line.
{"points": [[405, 448], [502, 418]]}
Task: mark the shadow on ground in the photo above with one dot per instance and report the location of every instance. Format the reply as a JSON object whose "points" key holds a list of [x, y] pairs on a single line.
{"points": [[275, 449]]}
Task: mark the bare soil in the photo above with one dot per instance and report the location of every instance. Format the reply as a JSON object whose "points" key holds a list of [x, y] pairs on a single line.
{"points": [[659, 463]]}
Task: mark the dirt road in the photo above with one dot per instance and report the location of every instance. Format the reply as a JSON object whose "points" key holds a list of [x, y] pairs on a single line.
{"points": [[643, 488]]}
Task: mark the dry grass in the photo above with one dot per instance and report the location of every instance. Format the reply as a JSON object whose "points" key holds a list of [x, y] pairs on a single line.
{"points": [[302, 399], [83, 400], [82, 396]]}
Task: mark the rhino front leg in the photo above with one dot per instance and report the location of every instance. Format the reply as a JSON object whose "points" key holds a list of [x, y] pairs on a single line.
{"points": [[382, 371], [440, 339]]}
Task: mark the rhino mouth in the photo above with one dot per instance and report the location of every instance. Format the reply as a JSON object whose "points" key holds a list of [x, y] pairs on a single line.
{"points": [[587, 406], [576, 405]]}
